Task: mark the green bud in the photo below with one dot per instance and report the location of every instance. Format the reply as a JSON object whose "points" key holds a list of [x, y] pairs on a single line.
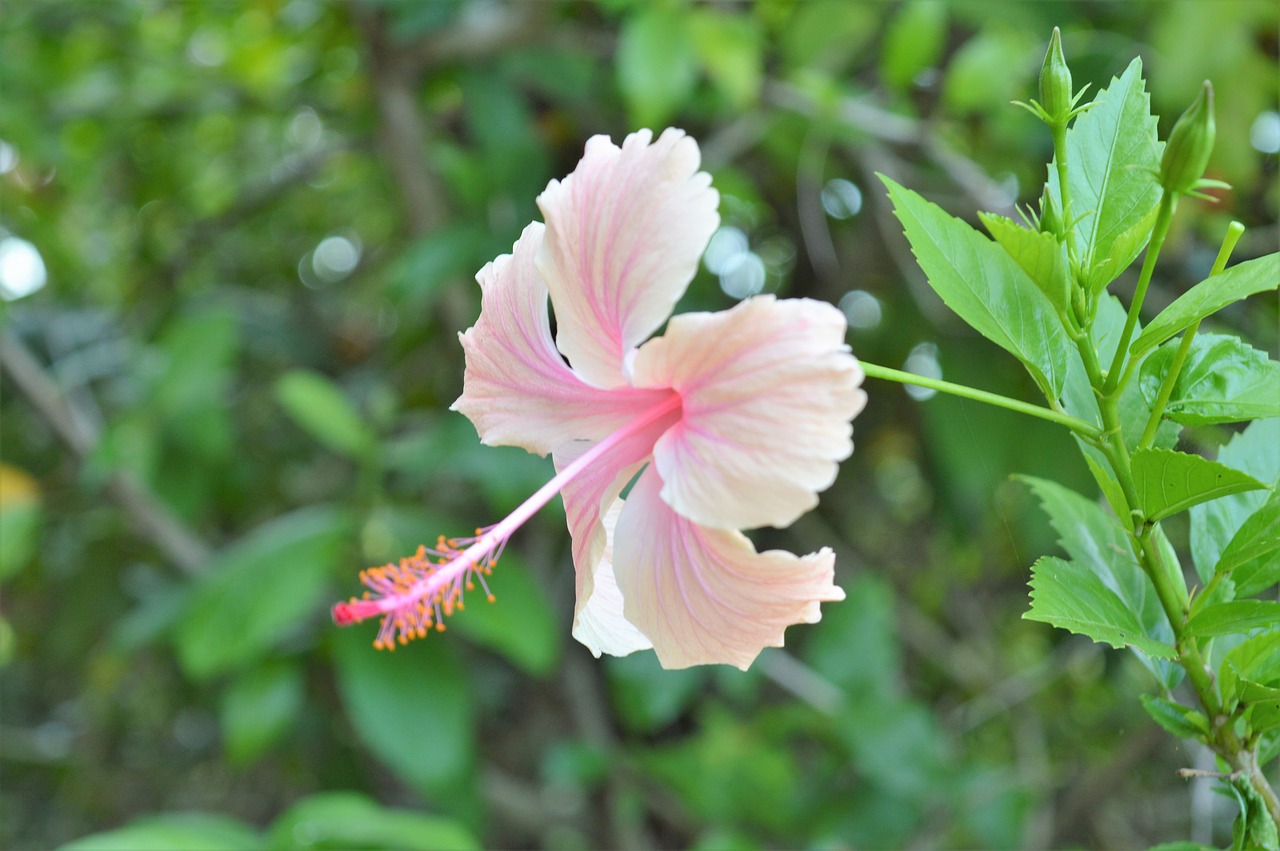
{"points": [[1055, 82], [1050, 215], [1187, 152]]}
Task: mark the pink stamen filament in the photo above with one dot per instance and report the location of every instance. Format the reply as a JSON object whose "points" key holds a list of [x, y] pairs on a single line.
{"points": [[423, 604]]}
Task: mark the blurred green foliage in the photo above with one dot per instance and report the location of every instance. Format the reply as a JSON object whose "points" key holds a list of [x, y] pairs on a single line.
{"points": [[258, 225]]}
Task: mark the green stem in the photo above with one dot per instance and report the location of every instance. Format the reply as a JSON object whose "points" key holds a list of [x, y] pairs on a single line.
{"points": [[1064, 190], [1168, 202], [1075, 424], [1234, 231], [1171, 594]]}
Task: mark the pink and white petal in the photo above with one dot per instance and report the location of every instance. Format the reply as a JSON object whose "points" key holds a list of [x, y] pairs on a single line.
{"points": [[625, 231], [769, 388], [516, 388], [599, 623], [705, 596], [588, 497]]}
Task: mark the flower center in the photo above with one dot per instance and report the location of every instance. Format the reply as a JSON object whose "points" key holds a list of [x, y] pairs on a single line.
{"points": [[414, 595]]}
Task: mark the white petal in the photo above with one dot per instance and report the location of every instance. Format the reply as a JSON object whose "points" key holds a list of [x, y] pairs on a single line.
{"points": [[769, 389], [599, 622], [516, 389], [705, 596], [624, 234]]}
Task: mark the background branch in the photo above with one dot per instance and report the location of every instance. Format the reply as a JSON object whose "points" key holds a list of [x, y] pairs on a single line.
{"points": [[153, 520]]}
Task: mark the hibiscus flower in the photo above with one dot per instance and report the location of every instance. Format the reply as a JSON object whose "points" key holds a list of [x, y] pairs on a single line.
{"points": [[727, 421]]}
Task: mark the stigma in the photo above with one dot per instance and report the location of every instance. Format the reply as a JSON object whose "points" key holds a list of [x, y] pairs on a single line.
{"points": [[415, 595]]}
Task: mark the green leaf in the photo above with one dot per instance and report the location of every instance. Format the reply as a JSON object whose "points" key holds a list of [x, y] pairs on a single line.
{"points": [[646, 696], [259, 708], [520, 625], [1208, 297], [1181, 721], [1112, 151], [19, 533], [913, 42], [317, 405], [731, 50], [410, 707], [656, 64], [259, 589], [1040, 255], [1223, 380], [1255, 660], [1255, 451], [1235, 616], [1111, 490], [341, 821], [1168, 482], [987, 71], [865, 620], [827, 34], [1263, 716], [982, 283], [1096, 539], [174, 832], [1074, 598], [1253, 829], [1253, 555]]}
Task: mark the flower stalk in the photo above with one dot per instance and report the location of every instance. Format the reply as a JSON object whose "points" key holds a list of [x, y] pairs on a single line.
{"points": [[1234, 231], [1076, 424]]}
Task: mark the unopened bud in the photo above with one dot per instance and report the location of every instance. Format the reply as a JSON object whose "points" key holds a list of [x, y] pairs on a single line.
{"points": [[1055, 82], [1050, 215], [1187, 152]]}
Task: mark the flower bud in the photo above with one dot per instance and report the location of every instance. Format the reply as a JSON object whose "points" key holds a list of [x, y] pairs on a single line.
{"points": [[1055, 82], [1050, 215], [1187, 152]]}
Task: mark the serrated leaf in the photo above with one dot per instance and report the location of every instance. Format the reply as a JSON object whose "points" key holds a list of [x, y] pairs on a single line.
{"points": [[1208, 297], [1235, 616], [1167, 481], [259, 589], [410, 707], [1255, 451], [1040, 255], [1112, 151], [1181, 721], [1254, 660], [1223, 380], [1252, 557], [316, 404], [337, 821], [982, 283], [1095, 539], [1263, 716], [1126, 248], [1072, 597], [1254, 829]]}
